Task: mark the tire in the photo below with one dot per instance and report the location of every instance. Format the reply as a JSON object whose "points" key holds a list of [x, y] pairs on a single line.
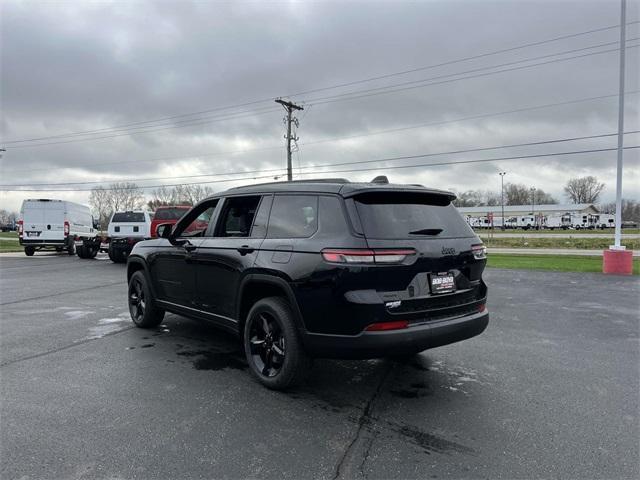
{"points": [[272, 345], [91, 252], [81, 252], [142, 308], [71, 249], [116, 256], [29, 251]]}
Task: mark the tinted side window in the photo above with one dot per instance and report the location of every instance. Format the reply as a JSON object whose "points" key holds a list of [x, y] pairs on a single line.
{"points": [[293, 216], [237, 216]]}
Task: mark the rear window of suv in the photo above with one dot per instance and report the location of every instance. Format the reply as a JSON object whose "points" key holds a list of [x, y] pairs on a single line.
{"points": [[123, 217], [170, 213], [388, 215]]}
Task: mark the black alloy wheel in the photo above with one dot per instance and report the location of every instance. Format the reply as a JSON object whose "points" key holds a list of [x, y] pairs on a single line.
{"points": [[142, 308], [267, 344], [137, 300], [272, 345]]}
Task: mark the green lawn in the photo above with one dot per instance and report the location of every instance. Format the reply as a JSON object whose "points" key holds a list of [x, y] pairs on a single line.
{"points": [[610, 231], [10, 247], [574, 242], [11, 235], [558, 263]]}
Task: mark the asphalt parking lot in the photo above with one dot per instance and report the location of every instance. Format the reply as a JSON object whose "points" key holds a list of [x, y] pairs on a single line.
{"points": [[550, 389]]}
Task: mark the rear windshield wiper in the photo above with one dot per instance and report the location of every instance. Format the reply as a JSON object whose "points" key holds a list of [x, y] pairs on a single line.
{"points": [[427, 231]]}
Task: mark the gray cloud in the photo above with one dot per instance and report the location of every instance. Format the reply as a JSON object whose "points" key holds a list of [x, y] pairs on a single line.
{"points": [[77, 66]]}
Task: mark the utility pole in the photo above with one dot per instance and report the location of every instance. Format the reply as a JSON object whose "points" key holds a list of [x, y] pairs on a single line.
{"points": [[289, 107], [502, 174], [623, 21]]}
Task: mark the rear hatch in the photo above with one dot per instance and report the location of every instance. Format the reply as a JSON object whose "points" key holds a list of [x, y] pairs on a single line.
{"points": [[441, 272], [129, 224], [43, 220]]}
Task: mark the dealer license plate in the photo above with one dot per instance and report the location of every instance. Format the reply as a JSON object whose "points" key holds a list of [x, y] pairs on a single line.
{"points": [[33, 234], [442, 283]]}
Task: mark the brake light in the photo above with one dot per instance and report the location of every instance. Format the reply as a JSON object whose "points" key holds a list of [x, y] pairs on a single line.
{"points": [[482, 307], [383, 326], [66, 228], [378, 256], [20, 228], [479, 251]]}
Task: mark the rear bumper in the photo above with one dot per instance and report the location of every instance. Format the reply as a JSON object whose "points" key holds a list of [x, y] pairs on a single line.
{"points": [[397, 342], [42, 243]]}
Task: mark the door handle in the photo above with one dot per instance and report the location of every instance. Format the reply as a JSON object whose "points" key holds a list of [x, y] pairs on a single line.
{"points": [[244, 249], [190, 247]]}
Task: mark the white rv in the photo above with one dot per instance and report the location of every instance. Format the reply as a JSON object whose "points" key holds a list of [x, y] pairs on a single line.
{"points": [[46, 223]]}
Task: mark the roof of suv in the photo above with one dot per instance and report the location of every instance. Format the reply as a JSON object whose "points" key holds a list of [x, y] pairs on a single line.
{"points": [[331, 185]]}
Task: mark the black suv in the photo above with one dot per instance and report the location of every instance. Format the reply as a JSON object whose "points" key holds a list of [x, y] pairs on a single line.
{"points": [[320, 268]]}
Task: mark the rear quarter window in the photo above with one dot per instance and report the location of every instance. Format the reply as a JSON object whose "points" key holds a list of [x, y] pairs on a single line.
{"points": [[389, 215], [293, 216]]}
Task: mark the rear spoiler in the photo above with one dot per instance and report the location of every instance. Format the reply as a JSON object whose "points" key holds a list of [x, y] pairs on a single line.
{"points": [[421, 195]]}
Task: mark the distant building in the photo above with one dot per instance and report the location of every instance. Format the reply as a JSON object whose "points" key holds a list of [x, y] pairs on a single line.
{"points": [[575, 215]]}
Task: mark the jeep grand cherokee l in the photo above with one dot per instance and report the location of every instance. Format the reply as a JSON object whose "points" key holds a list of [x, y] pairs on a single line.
{"points": [[317, 269]]}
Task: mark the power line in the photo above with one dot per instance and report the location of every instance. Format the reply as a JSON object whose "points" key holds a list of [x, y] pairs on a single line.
{"points": [[520, 157], [347, 137], [392, 88], [464, 59], [252, 114], [408, 157], [342, 85], [359, 94]]}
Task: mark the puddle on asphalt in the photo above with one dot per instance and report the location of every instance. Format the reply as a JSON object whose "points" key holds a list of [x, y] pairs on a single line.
{"points": [[215, 360], [147, 345]]}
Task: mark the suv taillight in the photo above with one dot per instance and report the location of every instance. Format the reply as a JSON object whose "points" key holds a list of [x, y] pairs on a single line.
{"points": [[20, 228], [66, 228], [378, 256], [479, 251]]}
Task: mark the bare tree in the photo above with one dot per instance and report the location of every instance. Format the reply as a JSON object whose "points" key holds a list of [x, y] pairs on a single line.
{"points": [[117, 197], [191, 194], [100, 203], [583, 189], [517, 194], [543, 198], [164, 195], [630, 210]]}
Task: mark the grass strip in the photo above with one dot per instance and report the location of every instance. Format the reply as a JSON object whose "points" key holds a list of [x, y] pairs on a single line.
{"points": [[556, 263]]}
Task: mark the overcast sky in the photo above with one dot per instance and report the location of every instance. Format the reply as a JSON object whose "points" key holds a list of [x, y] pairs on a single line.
{"points": [[70, 67]]}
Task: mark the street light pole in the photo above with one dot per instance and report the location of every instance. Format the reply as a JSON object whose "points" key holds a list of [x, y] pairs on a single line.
{"points": [[533, 204], [618, 226], [502, 174]]}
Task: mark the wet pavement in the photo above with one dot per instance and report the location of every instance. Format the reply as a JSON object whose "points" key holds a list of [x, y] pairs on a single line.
{"points": [[550, 389]]}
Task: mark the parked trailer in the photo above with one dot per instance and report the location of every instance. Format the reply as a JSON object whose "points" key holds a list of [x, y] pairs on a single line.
{"points": [[124, 231], [47, 223]]}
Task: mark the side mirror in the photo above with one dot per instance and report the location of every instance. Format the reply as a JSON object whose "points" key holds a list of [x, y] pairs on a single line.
{"points": [[164, 230]]}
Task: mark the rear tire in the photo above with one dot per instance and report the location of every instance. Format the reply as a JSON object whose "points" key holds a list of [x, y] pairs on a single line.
{"points": [[272, 345], [71, 249], [80, 251], [91, 252], [29, 251], [142, 305], [116, 256]]}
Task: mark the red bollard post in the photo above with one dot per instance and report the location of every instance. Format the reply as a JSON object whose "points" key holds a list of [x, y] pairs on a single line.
{"points": [[617, 262]]}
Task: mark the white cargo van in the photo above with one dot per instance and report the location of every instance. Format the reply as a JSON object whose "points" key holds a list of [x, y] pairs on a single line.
{"points": [[46, 223]]}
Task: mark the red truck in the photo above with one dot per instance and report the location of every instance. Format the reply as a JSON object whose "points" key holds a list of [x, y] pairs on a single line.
{"points": [[167, 214]]}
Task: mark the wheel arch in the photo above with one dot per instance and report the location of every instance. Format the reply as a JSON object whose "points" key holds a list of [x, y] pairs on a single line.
{"points": [[255, 287]]}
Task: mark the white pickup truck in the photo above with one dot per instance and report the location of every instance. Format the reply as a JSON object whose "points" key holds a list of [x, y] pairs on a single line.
{"points": [[124, 231]]}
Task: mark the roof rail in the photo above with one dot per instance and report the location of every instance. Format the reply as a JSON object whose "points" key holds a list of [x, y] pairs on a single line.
{"points": [[310, 180]]}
